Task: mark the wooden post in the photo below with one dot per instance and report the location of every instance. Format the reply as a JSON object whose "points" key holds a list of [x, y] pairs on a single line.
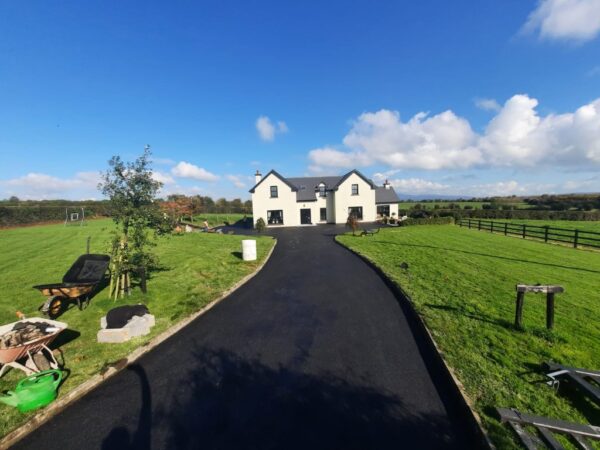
{"points": [[524, 232], [469, 224], [479, 225], [505, 228], [546, 234], [576, 238], [519, 309], [492, 227], [550, 310]]}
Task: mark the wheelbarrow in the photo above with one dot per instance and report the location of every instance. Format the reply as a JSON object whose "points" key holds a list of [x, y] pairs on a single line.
{"points": [[78, 284], [35, 356]]}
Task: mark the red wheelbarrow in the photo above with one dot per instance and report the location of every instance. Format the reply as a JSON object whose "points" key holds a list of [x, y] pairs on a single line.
{"points": [[35, 352]]}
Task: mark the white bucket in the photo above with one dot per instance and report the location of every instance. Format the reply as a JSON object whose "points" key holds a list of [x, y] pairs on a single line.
{"points": [[249, 250]]}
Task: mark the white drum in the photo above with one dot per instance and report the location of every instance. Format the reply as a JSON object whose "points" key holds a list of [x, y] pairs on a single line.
{"points": [[249, 250]]}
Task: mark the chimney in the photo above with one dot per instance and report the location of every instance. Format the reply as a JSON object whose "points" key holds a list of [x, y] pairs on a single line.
{"points": [[386, 184], [257, 177]]}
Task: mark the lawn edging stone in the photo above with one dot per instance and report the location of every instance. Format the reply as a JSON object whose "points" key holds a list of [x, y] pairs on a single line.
{"points": [[95, 381], [460, 398]]}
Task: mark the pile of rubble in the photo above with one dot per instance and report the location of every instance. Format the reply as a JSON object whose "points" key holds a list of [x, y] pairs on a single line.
{"points": [[24, 332]]}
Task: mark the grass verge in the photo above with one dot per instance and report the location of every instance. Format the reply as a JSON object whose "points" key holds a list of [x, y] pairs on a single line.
{"points": [[463, 286], [195, 269]]}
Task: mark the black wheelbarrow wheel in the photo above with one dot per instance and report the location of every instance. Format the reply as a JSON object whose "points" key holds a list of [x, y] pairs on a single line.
{"points": [[54, 306]]}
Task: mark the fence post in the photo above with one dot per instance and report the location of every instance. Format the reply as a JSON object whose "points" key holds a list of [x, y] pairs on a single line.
{"points": [[479, 226], [505, 228], [469, 224], [546, 234], [524, 230], [576, 238], [492, 227]]}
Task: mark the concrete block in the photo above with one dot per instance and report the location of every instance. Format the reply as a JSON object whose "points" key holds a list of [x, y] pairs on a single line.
{"points": [[137, 326], [113, 335], [103, 322]]}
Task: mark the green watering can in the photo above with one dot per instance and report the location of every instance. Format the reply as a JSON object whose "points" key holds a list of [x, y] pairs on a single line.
{"points": [[35, 391]]}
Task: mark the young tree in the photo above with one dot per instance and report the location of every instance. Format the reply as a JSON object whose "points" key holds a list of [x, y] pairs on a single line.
{"points": [[131, 190]]}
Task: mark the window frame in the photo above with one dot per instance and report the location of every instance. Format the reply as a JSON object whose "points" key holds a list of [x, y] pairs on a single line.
{"points": [[323, 217], [353, 187], [359, 216], [276, 191]]}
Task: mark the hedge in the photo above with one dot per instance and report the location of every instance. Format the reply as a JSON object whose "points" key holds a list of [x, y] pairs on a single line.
{"points": [[24, 215], [429, 221]]}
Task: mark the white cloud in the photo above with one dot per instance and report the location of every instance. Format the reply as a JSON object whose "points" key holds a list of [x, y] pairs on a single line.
{"points": [[267, 129], [487, 104], [517, 136], [236, 180], [187, 170], [418, 186], [576, 20], [41, 186], [164, 178]]}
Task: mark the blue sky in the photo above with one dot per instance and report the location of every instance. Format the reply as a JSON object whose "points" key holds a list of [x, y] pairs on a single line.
{"points": [[478, 97]]}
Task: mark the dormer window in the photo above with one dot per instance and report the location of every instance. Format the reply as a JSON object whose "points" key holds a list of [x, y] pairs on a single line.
{"points": [[322, 191], [274, 193], [355, 189]]}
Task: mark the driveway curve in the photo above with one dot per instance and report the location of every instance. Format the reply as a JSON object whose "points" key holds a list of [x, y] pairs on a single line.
{"points": [[315, 352]]}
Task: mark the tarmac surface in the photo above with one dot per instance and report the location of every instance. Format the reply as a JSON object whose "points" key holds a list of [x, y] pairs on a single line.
{"points": [[315, 352]]}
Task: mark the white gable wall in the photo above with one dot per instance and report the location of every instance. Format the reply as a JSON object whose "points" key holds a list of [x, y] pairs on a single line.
{"points": [[286, 201], [365, 198]]}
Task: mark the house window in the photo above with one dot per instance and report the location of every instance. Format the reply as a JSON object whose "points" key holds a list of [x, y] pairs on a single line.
{"points": [[355, 211], [355, 189], [383, 210], [275, 217], [323, 214], [274, 192], [322, 191]]}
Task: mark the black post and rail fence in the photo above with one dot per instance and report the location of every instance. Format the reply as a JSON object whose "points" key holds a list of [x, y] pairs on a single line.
{"points": [[545, 233]]}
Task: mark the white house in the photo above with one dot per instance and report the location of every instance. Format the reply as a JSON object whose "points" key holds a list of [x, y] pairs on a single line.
{"points": [[314, 200]]}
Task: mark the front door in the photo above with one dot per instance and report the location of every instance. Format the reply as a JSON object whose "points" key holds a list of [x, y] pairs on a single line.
{"points": [[305, 217]]}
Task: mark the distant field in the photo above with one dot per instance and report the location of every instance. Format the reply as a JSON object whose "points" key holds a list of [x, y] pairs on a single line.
{"points": [[586, 225], [442, 205], [462, 283], [446, 204]]}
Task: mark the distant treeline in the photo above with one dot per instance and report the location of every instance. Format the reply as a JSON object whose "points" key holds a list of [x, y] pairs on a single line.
{"points": [[14, 212]]}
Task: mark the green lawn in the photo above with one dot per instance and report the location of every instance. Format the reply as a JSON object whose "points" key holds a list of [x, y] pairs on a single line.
{"points": [[586, 225], [462, 283], [195, 269]]}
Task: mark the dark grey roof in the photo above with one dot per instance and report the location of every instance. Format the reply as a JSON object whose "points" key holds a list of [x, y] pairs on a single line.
{"points": [[307, 187], [383, 195], [281, 177]]}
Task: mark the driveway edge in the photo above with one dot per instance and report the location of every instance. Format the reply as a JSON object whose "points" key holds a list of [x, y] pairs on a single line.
{"points": [[96, 380], [459, 396]]}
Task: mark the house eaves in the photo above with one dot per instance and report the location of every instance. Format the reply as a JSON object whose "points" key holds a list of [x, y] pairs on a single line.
{"points": [[275, 173]]}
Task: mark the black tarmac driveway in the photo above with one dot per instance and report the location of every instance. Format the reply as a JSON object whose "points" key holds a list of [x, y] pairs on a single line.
{"points": [[315, 352]]}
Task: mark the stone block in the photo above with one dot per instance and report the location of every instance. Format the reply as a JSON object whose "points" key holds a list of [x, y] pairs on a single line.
{"points": [[103, 322], [137, 326], [114, 335]]}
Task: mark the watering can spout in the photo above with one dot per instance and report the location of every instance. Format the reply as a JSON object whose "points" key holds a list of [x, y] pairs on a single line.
{"points": [[11, 399]]}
